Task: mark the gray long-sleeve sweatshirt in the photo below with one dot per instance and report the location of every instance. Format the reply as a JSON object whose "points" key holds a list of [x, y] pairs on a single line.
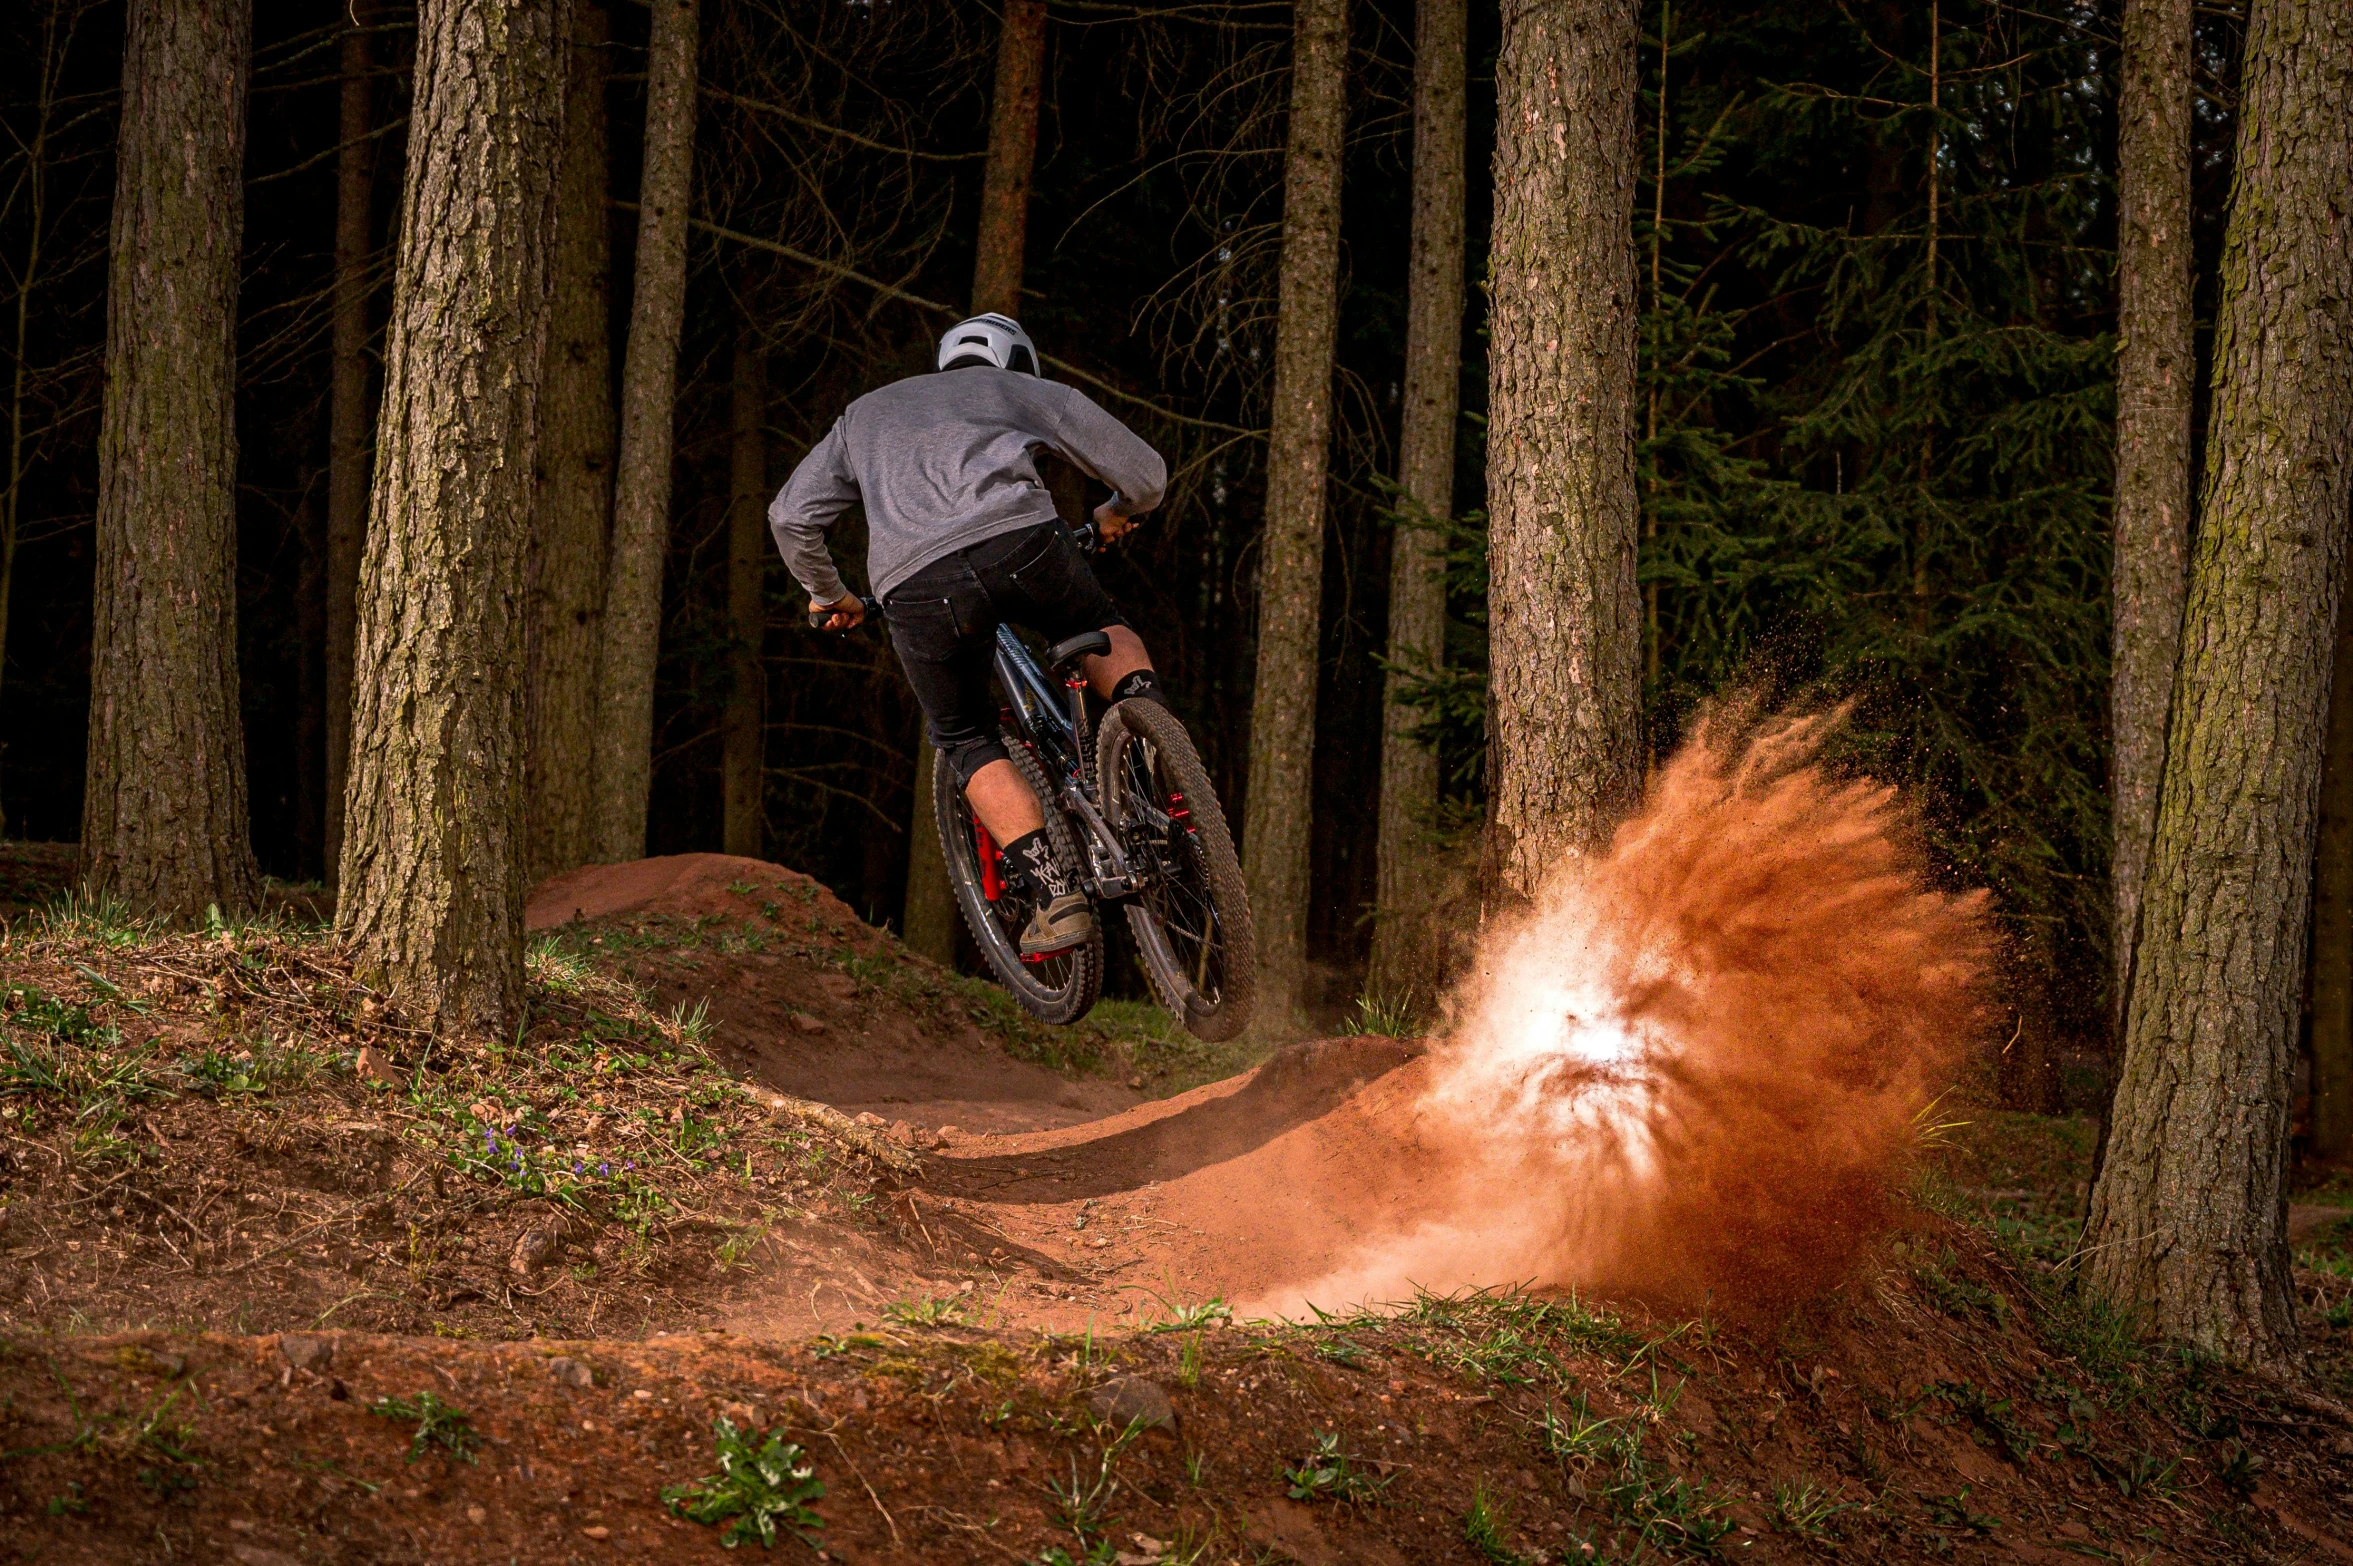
{"points": [[943, 461]]}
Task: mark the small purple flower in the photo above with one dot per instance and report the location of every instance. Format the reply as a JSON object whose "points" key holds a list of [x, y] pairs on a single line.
{"points": [[490, 1140], [604, 1169], [575, 1166]]}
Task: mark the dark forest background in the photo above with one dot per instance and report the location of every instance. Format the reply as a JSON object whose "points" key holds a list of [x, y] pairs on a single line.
{"points": [[1876, 246]]}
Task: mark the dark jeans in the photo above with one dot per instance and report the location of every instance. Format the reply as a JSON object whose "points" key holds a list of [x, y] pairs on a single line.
{"points": [[944, 619]]}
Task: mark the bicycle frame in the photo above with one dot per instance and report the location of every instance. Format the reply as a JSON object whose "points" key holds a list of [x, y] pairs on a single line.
{"points": [[1057, 731]]}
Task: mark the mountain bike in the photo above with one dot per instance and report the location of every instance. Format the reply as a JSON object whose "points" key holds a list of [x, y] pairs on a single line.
{"points": [[1134, 821]]}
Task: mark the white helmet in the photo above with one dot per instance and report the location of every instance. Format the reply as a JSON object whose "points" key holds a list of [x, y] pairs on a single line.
{"points": [[996, 338]]}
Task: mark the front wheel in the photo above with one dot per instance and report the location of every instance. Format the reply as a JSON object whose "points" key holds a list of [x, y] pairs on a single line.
{"points": [[1060, 988], [1192, 919]]}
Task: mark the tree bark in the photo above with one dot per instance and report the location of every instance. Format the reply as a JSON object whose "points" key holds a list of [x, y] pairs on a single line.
{"points": [[1013, 151], [433, 861], [928, 917], [641, 481], [743, 741], [348, 414], [2155, 373], [1564, 618], [2332, 905], [1425, 473], [2188, 1220], [573, 508], [164, 823], [1279, 800]]}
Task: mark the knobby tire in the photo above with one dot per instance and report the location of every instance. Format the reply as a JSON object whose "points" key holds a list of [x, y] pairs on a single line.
{"points": [[1193, 931], [1063, 987]]}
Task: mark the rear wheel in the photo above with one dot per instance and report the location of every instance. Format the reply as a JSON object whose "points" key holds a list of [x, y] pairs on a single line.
{"points": [[1060, 988], [1192, 922]]}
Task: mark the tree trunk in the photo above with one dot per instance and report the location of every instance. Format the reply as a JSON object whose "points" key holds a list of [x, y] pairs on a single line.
{"points": [[164, 824], [641, 480], [743, 744], [1279, 800], [348, 416], [2188, 1221], [1425, 472], [1564, 618], [1013, 150], [2332, 905], [433, 849], [574, 504], [928, 918], [310, 680], [2155, 373]]}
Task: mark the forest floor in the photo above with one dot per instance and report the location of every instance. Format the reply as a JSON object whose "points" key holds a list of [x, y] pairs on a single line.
{"points": [[281, 1280]]}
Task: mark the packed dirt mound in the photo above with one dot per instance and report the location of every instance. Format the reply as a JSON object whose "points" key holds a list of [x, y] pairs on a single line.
{"points": [[690, 886], [803, 996]]}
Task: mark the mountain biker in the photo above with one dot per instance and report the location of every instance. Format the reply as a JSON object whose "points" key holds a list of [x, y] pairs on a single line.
{"points": [[961, 535]]}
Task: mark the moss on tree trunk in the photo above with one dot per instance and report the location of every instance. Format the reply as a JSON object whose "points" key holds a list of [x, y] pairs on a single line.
{"points": [[433, 853], [2188, 1221], [164, 824]]}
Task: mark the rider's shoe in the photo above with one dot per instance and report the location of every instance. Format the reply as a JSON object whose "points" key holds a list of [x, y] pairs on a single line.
{"points": [[1067, 921]]}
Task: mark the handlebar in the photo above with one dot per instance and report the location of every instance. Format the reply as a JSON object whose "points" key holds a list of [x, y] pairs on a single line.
{"points": [[818, 617], [1088, 536]]}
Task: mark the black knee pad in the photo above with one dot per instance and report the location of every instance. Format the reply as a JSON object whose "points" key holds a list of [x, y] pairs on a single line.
{"points": [[972, 755]]}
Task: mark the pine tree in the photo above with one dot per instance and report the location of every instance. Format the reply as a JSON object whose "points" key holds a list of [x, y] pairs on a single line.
{"points": [[164, 815], [743, 760], [433, 851], [2187, 1227], [1278, 802], [1564, 626], [349, 453], [2155, 368], [624, 756], [572, 507], [1425, 480]]}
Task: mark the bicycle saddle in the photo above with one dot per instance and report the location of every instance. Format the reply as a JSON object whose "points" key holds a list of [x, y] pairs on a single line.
{"points": [[1087, 644]]}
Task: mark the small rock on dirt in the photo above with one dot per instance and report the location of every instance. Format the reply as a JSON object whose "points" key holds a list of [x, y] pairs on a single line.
{"points": [[539, 1245], [1126, 1400], [566, 1371], [867, 1117], [306, 1350], [805, 1023], [255, 1555]]}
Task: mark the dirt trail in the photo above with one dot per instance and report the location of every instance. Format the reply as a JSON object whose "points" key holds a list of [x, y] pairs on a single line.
{"points": [[1688, 1071]]}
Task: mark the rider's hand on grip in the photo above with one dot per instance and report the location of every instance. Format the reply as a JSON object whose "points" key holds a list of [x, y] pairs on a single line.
{"points": [[845, 614]]}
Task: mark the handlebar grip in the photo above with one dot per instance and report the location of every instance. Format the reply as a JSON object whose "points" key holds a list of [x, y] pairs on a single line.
{"points": [[818, 617]]}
